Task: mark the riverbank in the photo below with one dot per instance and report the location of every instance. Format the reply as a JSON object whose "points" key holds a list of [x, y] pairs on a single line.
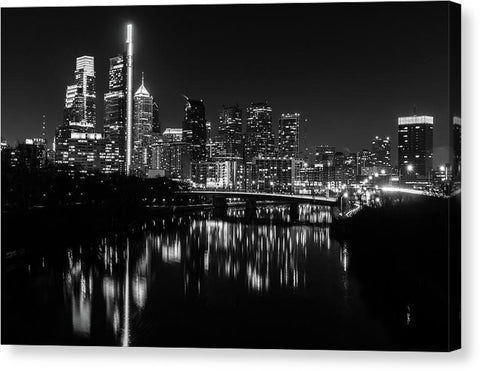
{"points": [[409, 257]]}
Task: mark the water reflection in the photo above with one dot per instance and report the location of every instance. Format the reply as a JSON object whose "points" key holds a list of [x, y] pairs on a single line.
{"points": [[314, 214], [109, 286]]}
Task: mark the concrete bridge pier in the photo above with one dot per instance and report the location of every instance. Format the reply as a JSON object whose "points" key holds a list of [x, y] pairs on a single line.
{"points": [[250, 209], [251, 204], [220, 206], [294, 211], [219, 202]]}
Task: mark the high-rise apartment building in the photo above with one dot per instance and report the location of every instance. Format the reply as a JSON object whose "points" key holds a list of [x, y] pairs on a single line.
{"points": [[415, 145], [456, 147], [324, 159], [260, 139], [289, 135], [230, 131], [195, 129], [381, 151]]}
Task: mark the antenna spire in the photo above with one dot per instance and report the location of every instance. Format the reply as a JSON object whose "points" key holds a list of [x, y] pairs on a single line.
{"points": [[43, 127], [142, 78]]}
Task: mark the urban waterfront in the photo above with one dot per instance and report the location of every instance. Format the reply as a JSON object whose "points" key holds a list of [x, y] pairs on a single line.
{"points": [[277, 187], [197, 280]]}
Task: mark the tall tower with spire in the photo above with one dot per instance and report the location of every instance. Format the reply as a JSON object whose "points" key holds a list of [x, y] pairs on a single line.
{"points": [[129, 105], [43, 129], [142, 130]]}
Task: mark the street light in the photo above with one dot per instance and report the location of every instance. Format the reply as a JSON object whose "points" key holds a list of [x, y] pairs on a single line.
{"points": [[341, 201]]}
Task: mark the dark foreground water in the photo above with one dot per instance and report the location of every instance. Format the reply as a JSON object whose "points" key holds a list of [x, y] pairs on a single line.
{"points": [[197, 280]]}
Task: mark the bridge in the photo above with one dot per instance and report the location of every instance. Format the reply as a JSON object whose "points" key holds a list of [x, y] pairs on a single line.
{"points": [[219, 199], [264, 196]]}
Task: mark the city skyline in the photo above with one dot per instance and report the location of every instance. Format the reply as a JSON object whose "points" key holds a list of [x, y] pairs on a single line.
{"points": [[241, 176], [168, 77]]}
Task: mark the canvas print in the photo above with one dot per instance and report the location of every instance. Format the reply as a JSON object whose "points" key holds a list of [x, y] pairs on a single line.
{"points": [[278, 176]]}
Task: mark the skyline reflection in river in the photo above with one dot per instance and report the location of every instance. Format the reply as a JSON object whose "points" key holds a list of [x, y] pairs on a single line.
{"points": [[182, 279]]}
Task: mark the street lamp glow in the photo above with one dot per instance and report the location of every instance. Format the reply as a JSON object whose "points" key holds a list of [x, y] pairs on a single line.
{"points": [[345, 194], [442, 168], [383, 171], [409, 167]]}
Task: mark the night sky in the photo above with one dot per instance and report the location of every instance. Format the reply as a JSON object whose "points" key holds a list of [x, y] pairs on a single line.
{"points": [[351, 69]]}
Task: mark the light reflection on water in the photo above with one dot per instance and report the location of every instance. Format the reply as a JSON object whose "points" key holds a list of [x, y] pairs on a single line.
{"points": [[113, 287]]}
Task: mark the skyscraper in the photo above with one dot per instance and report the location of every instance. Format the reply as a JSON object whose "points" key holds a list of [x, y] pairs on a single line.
{"points": [[381, 151], [77, 146], [80, 97], [260, 139], [115, 116], [142, 130], [415, 145], [456, 147], [289, 135], [195, 130], [129, 96], [230, 130], [156, 119], [324, 158]]}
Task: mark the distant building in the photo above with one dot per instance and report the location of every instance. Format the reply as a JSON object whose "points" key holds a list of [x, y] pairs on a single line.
{"points": [[80, 97], [77, 146], [142, 130], [29, 156], [339, 169], [173, 135], [415, 146], [230, 131], [381, 153], [351, 171], [85, 153], [168, 155], [308, 179], [456, 147], [156, 126], [289, 135], [273, 174], [260, 139], [115, 116], [195, 129], [223, 173], [324, 159]]}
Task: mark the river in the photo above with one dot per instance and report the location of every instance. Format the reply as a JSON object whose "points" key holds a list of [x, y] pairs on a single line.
{"points": [[196, 279]]}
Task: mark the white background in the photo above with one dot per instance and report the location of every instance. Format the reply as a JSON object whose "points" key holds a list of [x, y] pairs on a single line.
{"points": [[93, 358]]}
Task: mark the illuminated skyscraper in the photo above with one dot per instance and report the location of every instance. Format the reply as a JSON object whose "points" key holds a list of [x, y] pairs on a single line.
{"points": [[142, 130], [456, 147], [156, 119], [115, 116], [260, 141], [289, 135], [324, 159], [415, 145], [80, 97], [129, 96], [230, 130], [77, 146], [381, 153], [195, 129]]}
